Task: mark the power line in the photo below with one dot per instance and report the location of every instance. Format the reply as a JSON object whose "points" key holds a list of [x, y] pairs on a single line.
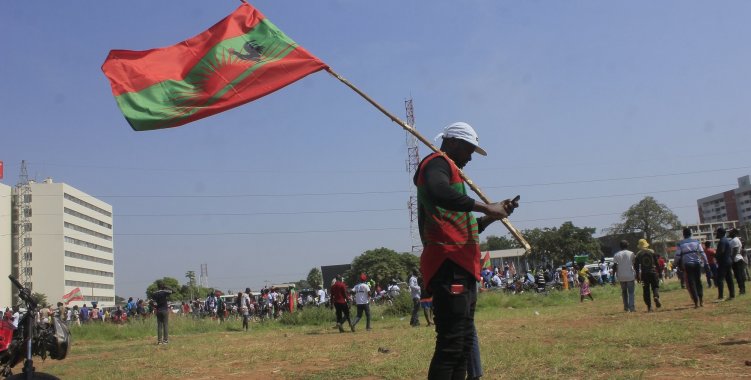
{"points": [[376, 192]]}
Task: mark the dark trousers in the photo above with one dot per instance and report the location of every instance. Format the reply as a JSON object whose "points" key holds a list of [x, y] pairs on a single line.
{"points": [[474, 363], [454, 321], [739, 270], [650, 281], [415, 320], [162, 325], [342, 311], [725, 274], [694, 283], [360, 309], [712, 275]]}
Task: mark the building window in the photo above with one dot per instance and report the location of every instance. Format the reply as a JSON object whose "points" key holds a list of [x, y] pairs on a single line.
{"points": [[27, 212], [27, 242], [70, 268], [27, 256], [87, 284], [87, 205], [80, 256], [27, 271], [27, 198]]}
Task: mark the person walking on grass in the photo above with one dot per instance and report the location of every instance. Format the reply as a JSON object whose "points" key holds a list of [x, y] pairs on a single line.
{"points": [[161, 298], [712, 274], [724, 265], [645, 266], [690, 256], [339, 299], [362, 300], [583, 278], [739, 261], [243, 300], [623, 261], [414, 292]]}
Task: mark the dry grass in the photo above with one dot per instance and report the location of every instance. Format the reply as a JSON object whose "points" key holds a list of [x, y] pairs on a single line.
{"points": [[554, 338]]}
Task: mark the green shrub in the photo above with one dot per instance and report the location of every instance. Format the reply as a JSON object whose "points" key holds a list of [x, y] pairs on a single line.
{"points": [[400, 307], [309, 316]]}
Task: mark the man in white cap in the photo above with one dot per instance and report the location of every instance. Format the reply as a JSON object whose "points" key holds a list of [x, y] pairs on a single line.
{"points": [[450, 261]]}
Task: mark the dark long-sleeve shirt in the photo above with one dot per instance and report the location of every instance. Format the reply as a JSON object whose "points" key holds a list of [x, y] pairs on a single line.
{"points": [[161, 297], [437, 174]]}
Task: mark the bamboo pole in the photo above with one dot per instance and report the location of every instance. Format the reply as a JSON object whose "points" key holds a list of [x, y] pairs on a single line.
{"points": [[514, 232]]}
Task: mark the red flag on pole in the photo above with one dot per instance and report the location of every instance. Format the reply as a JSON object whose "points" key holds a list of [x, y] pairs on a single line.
{"points": [[241, 58], [74, 295], [486, 260]]}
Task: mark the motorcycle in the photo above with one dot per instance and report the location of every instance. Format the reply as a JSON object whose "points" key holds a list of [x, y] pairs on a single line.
{"points": [[31, 338]]}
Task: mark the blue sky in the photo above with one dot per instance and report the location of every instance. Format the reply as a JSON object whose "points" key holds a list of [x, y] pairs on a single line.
{"points": [[584, 107]]}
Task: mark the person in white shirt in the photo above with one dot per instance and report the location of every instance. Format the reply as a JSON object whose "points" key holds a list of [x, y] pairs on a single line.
{"points": [[362, 299], [245, 308], [623, 261], [321, 296], [739, 261], [16, 317], [414, 290], [496, 280]]}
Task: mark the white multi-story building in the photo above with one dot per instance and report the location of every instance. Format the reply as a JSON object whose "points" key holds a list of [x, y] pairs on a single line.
{"points": [[729, 205], [6, 239], [69, 242]]}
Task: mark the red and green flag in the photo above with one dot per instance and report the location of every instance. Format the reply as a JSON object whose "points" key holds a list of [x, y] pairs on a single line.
{"points": [[74, 295], [241, 58], [486, 260]]}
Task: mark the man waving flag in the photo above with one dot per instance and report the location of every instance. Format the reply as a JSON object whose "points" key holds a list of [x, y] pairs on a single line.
{"points": [[241, 58]]}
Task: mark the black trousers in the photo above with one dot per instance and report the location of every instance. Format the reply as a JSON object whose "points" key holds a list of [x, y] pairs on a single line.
{"points": [[725, 274], [650, 281], [342, 309], [739, 269], [454, 298], [694, 283]]}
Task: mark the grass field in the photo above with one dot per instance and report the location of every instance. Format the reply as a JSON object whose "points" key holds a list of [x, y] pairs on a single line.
{"points": [[524, 336]]}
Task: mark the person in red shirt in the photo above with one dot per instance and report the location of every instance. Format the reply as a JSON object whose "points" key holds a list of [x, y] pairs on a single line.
{"points": [[712, 274], [339, 299]]}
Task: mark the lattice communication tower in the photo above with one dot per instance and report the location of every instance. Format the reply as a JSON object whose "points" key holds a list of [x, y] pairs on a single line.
{"points": [[413, 160], [22, 206], [204, 279]]}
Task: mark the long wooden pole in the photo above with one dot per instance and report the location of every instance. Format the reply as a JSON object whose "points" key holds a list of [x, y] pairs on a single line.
{"points": [[517, 235]]}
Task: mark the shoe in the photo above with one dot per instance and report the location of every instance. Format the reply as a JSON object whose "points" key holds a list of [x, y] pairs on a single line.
{"points": [[649, 310], [165, 342], [158, 343], [658, 303], [341, 329], [352, 328]]}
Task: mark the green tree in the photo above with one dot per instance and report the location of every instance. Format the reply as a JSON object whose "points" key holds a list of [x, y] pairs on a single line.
{"points": [[649, 217], [302, 284], [382, 265], [171, 283], [315, 279], [560, 244], [190, 289], [39, 298], [494, 243]]}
